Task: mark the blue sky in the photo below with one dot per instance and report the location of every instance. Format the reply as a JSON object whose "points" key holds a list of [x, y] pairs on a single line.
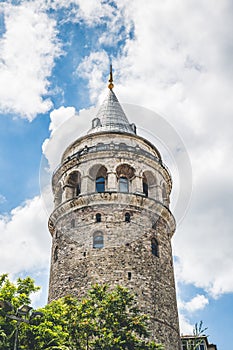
{"points": [[173, 58]]}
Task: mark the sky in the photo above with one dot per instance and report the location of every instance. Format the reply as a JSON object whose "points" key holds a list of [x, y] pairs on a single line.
{"points": [[173, 70]]}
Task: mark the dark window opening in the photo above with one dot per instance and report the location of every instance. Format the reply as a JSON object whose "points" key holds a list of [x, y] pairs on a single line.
{"points": [[84, 254], [154, 226], [154, 247], [78, 190], [127, 217], [55, 255], [98, 241], [98, 217], [123, 184], [129, 276], [69, 279], [100, 184], [145, 188], [184, 345], [73, 185]]}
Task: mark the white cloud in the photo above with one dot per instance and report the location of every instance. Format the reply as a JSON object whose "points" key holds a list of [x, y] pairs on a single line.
{"points": [[92, 68], [90, 11], [66, 126], [28, 49], [59, 116], [197, 303], [24, 239], [185, 326]]}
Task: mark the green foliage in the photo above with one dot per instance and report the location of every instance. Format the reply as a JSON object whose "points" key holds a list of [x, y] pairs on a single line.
{"points": [[17, 294], [105, 319]]}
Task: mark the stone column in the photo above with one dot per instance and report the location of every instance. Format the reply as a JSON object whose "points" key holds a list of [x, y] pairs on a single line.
{"points": [[137, 184], [112, 181]]}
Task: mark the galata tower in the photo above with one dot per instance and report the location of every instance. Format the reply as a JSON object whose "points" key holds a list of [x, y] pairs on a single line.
{"points": [[111, 221]]}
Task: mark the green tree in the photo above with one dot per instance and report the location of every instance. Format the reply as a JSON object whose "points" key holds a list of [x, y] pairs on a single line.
{"points": [[108, 320], [104, 319], [17, 294]]}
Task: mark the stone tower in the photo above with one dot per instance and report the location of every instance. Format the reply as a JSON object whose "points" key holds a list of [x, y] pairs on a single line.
{"points": [[111, 221]]}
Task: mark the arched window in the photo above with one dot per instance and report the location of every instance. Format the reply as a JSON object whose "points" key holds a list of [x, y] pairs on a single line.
{"points": [[127, 217], [149, 184], [125, 174], [73, 185], [123, 184], [154, 247], [100, 184], [98, 240], [98, 217], [98, 178]]}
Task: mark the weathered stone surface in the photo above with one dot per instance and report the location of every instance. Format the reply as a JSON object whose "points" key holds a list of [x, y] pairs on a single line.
{"points": [[127, 255]]}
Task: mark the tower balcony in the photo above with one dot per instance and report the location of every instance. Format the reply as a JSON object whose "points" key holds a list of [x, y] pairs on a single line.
{"points": [[110, 201]]}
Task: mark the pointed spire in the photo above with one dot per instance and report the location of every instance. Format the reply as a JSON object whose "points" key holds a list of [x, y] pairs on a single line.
{"points": [[111, 117], [110, 85]]}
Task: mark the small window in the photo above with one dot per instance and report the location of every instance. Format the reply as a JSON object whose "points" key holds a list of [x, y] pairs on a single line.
{"points": [[100, 184], [98, 217], [129, 276], [127, 217], [154, 225], [72, 223], [98, 241], [154, 247], [55, 254], [96, 122], [123, 184]]}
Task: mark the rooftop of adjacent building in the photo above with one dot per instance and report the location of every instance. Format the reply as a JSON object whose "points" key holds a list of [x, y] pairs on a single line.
{"points": [[200, 342]]}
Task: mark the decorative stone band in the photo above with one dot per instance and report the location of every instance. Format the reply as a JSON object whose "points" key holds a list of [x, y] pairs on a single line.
{"points": [[149, 206]]}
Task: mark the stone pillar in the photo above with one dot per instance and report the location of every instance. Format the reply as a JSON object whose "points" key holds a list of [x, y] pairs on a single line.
{"points": [[85, 180], [137, 184], [68, 192], [112, 181]]}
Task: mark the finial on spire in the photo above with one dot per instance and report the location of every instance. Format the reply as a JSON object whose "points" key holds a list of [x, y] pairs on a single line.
{"points": [[110, 85]]}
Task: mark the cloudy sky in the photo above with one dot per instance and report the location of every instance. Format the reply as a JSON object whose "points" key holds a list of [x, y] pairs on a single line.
{"points": [[173, 73]]}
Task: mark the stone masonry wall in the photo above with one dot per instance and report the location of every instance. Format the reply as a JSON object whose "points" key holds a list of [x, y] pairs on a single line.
{"points": [[126, 257]]}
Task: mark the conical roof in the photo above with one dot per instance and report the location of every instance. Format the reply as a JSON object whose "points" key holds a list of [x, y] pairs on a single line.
{"points": [[111, 117]]}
